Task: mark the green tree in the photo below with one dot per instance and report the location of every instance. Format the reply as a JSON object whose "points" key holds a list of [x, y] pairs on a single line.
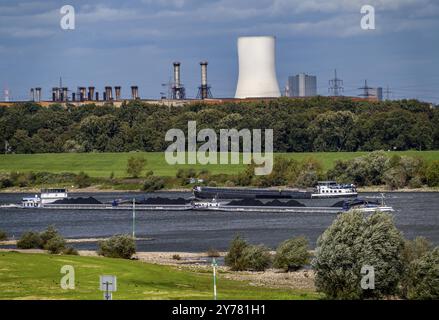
{"points": [[352, 242], [135, 165], [292, 254]]}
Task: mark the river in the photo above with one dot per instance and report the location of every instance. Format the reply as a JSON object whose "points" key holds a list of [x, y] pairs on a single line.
{"points": [[416, 214]]}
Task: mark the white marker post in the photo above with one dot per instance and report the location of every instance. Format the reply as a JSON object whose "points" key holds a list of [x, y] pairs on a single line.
{"points": [[108, 284], [214, 265], [134, 218]]}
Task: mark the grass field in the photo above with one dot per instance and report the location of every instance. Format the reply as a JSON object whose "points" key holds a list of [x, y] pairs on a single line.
{"points": [[37, 276], [102, 164]]}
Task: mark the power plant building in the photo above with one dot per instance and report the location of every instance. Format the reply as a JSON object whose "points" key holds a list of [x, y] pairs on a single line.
{"points": [[302, 85], [257, 68]]}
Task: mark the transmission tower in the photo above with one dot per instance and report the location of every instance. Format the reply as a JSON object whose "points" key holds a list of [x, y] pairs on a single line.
{"points": [[387, 92], [366, 90], [335, 85]]}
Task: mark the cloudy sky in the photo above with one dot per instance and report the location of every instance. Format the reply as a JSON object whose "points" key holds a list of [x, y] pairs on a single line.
{"points": [[135, 42]]}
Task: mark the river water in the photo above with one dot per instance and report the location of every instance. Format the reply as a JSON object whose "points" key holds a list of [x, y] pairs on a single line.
{"points": [[417, 214]]}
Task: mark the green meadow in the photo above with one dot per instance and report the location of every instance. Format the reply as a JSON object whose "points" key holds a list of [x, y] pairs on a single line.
{"points": [[103, 164], [37, 276]]}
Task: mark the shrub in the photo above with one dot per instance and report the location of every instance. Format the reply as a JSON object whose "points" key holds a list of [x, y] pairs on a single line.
{"points": [[256, 258], [212, 253], [82, 180], [152, 183], [234, 259], [55, 245], [70, 251], [176, 257], [135, 166], [119, 246], [424, 282], [432, 174], [48, 234], [30, 240], [292, 254], [354, 241], [413, 250], [3, 236]]}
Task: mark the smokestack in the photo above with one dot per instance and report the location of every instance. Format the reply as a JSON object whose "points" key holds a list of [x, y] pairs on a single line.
{"points": [[82, 93], [178, 91], [204, 89], [64, 94], [203, 65], [38, 94], [117, 92], [134, 92], [32, 94], [73, 96], [97, 96], [55, 94], [108, 93], [91, 93]]}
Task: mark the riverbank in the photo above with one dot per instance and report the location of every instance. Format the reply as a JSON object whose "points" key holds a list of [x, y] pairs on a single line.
{"points": [[152, 276], [98, 189]]}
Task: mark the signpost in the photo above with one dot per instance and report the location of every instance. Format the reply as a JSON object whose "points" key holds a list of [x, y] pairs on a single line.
{"points": [[108, 284], [214, 265]]}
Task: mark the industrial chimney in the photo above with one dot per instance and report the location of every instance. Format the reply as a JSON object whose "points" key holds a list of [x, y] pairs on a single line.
{"points": [[91, 93], [204, 89], [55, 94], [117, 92], [38, 94], [178, 91], [82, 93], [134, 92], [32, 94], [64, 93], [108, 93], [257, 68]]}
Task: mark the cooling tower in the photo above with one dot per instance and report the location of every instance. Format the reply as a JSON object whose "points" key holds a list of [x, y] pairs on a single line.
{"points": [[257, 68]]}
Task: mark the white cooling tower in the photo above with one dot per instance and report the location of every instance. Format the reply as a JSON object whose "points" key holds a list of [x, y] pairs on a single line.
{"points": [[257, 68]]}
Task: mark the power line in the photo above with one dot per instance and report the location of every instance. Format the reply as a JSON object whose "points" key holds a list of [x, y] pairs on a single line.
{"points": [[335, 85]]}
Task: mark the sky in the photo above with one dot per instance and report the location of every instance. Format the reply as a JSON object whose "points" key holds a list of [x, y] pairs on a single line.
{"points": [[134, 42]]}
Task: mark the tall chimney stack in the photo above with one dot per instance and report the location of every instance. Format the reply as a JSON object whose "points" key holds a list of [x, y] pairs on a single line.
{"points": [[32, 94], [108, 93], [134, 92], [178, 91], [38, 94], [204, 89], [91, 93], [117, 92], [64, 94]]}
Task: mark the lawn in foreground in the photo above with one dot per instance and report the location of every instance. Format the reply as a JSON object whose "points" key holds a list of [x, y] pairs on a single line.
{"points": [[37, 276], [103, 164]]}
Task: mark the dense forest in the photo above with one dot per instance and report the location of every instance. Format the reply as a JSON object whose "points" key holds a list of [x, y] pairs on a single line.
{"points": [[299, 125]]}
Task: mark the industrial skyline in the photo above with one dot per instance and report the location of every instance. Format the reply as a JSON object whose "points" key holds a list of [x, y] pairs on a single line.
{"points": [[135, 43]]}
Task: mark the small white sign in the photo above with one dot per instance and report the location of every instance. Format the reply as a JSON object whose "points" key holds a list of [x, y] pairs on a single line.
{"points": [[108, 283]]}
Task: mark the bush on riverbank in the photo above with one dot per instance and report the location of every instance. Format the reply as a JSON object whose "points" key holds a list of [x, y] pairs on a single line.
{"points": [[3, 236], [243, 256], [424, 279], [292, 254], [153, 183], [354, 242], [49, 240], [119, 246]]}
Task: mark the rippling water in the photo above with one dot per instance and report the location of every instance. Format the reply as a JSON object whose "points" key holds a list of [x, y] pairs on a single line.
{"points": [[417, 214]]}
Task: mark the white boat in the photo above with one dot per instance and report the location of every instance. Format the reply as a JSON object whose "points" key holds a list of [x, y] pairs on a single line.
{"points": [[331, 189], [46, 196]]}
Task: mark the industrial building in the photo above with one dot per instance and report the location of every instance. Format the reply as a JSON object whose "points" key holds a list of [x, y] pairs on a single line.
{"points": [[302, 85], [257, 68], [256, 81]]}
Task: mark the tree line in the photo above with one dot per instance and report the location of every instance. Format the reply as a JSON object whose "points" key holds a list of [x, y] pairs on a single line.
{"points": [[315, 124]]}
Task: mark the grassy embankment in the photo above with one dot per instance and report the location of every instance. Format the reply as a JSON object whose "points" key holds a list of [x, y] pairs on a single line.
{"points": [[103, 164], [37, 276]]}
